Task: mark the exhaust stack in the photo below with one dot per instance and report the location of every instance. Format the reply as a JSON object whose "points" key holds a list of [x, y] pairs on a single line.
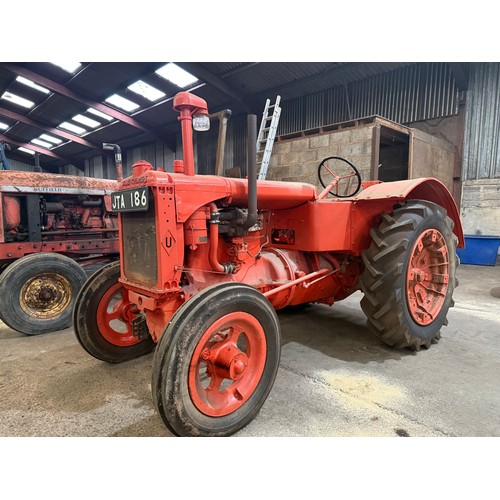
{"points": [[252, 170], [118, 158]]}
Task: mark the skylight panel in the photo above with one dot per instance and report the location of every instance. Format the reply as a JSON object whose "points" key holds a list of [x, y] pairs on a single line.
{"points": [[72, 128], [146, 90], [42, 143], [70, 67], [84, 120], [100, 114], [31, 84], [4, 126], [176, 75], [121, 102], [21, 101], [25, 150], [50, 138]]}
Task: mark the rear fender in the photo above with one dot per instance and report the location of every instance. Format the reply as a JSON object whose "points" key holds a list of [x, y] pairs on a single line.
{"points": [[429, 189]]}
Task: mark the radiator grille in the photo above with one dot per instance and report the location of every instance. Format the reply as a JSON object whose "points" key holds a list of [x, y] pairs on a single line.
{"points": [[139, 246]]}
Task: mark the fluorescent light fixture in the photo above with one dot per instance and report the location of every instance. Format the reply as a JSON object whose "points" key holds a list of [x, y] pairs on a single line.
{"points": [[4, 126], [21, 101], [176, 75], [121, 102], [50, 139], [146, 90], [42, 143], [72, 128], [70, 67], [84, 120], [31, 84], [100, 114], [24, 150]]}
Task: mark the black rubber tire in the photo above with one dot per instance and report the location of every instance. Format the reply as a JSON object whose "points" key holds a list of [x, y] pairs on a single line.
{"points": [[2, 269], [85, 320], [356, 171], [177, 344], [383, 280], [17, 274]]}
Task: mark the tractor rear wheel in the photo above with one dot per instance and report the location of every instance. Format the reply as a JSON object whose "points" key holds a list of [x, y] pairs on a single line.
{"points": [[103, 318], [409, 275], [38, 292], [216, 362]]}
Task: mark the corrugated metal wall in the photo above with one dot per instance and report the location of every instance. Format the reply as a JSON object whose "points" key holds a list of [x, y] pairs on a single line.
{"points": [[413, 93], [482, 123], [235, 152], [155, 153], [17, 165]]}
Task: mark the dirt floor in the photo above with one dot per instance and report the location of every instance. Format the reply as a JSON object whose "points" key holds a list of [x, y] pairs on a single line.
{"points": [[335, 378]]}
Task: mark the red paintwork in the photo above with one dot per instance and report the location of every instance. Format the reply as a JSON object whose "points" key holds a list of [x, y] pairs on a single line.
{"points": [[188, 106], [233, 348], [427, 277], [308, 249], [114, 316], [429, 189]]}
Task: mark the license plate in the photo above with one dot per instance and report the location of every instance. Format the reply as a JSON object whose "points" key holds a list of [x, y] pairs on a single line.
{"points": [[130, 200]]}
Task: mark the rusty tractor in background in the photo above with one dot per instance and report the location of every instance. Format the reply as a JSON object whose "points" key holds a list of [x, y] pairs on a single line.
{"points": [[51, 227], [206, 261]]}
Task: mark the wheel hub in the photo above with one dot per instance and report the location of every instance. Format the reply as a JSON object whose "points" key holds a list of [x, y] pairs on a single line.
{"points": [[114, 317], [227, 364], [427, 277], [45, 296]]}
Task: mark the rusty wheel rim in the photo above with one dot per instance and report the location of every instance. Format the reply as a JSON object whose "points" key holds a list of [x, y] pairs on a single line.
{"points": [[227, 364], [427, 277], [45, 296], [114, 317]]}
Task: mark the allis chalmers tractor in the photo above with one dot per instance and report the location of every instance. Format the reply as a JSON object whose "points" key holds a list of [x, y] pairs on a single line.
{"points": [[206, 261], [50, 226]]}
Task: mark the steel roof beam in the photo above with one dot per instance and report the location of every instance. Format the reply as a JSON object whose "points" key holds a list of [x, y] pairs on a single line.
{"points": [[51, 130], [66, 92], [218, 83], [38, 149]]}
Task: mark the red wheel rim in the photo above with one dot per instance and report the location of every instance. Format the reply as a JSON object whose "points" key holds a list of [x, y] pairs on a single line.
{"points": [[227, 364], [114, 317], [427, 277]]}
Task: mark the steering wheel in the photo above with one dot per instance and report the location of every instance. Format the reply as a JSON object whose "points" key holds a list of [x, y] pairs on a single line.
{"points": [[343, 183]]}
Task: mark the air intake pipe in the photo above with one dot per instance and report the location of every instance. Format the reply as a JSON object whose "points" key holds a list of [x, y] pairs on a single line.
{"points": [[252, 170]]}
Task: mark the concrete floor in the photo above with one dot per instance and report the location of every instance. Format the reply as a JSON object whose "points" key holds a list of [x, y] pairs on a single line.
{"points": [[335, 378]]}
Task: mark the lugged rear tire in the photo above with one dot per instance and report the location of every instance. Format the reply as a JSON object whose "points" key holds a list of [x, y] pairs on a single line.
{"points": [[397, 265]]}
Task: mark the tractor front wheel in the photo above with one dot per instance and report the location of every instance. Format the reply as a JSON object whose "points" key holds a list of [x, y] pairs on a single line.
{"points": [[409, 275], [103, 319], [216, 362]]}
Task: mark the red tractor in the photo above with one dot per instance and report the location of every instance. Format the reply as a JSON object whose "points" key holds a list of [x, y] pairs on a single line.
{"points": [[51, 227], [206, 261]]}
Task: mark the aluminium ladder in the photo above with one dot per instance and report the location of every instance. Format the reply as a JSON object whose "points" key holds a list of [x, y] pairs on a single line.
{"points": [[267, 133]]}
